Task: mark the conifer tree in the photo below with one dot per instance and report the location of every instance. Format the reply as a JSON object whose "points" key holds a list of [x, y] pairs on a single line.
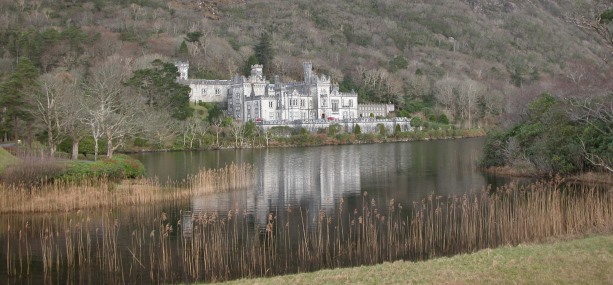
{"points": [[265, 53], [15, 103], [183, 51]]}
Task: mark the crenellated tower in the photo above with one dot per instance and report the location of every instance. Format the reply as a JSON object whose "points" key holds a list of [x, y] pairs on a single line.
{"points": [[183, 67]]}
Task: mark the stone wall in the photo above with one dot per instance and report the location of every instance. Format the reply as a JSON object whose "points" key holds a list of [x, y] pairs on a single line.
{"points": [[367, 125]]}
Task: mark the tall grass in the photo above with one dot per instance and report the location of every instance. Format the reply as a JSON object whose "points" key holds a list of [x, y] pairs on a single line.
{"points": [[48, 196], [221, 246]]}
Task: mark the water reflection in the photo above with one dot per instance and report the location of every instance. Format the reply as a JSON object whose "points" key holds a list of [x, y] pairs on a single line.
{"points": [[316, 178]]}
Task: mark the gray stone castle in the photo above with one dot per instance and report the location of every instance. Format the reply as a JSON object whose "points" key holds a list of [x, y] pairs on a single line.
{"points": [[313, 103], [255, 98]]}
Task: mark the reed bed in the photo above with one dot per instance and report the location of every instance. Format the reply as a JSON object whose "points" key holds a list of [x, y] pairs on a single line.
{"points": [[102, 193], [220, 246]]}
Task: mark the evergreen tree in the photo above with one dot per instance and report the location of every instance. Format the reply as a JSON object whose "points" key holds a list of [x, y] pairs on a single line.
{"points": [[250, 61], [265, 53], [183, 52], [159, 86], [193, 37], [357, 130], [15, 107]]}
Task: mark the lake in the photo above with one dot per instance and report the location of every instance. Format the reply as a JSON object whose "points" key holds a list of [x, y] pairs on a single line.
{"points": [[317, 177], [315, 181]]}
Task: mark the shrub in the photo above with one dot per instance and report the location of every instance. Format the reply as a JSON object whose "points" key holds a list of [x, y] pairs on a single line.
{"points": [[119, 167], [32, 172]]}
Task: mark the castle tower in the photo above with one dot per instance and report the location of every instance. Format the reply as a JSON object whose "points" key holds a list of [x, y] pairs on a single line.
{"points": [[183, 67], [257, 72]]}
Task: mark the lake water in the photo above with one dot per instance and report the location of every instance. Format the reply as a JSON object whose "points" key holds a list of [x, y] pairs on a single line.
{"points": [[317, 177], [314, 179]]}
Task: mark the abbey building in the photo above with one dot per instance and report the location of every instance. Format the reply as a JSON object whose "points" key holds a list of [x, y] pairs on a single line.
{"points": [[257, 99]]}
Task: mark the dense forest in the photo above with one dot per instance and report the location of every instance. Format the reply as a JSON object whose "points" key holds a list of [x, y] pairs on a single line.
{"points": [[471, 63]]}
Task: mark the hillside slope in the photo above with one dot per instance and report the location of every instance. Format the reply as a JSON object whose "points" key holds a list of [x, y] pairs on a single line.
{"points": [[426, 56]]}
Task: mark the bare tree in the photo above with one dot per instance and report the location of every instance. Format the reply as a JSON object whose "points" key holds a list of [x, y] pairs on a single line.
{"points": [[190, 131], [216, 126], [111, 113], [598, 112], [470, 90], [160, 126], [445, 92], [47, 103], [201, 129], [598, 21], [237, 129], [267, 134]]}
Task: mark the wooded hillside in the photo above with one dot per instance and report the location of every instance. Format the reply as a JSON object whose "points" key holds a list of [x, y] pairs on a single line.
{"points": [[472, 61]]}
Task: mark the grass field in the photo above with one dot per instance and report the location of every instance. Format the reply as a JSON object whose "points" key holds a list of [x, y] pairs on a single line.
{"points": [[5, 158], [582, 261]]}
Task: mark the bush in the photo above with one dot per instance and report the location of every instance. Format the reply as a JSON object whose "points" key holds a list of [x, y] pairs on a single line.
{"points": [[119, 167], [32, 172]]}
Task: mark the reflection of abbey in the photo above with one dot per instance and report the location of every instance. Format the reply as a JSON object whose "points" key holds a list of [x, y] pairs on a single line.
{"points": [[255, 98]]}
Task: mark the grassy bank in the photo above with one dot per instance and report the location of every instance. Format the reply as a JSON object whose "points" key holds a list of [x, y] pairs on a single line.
{"points": [[6, 159], [582, 261], [320, 139]]}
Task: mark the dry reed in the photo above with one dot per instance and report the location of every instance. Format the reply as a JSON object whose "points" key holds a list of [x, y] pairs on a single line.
{"points": [[69, 196], [222, 246]]}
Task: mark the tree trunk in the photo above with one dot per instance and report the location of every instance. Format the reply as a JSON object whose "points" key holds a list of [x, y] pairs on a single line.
{"points": [[50, 140], [75, 149], [95, 148], [109, 149]]}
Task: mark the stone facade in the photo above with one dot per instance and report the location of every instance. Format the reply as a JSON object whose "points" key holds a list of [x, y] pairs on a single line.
{"points": [[377, 110], [257, 99]]}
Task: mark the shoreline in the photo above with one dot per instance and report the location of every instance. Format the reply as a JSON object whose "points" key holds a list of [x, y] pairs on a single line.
{"points": [[583, 178], [480, 133]]}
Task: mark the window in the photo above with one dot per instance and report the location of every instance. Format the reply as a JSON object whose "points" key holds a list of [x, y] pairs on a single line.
{"points": [[203, 91], [334, 105], [324, 102], [293, 102], [350, 103], [302, 103], [270, 104], [217, 91]]}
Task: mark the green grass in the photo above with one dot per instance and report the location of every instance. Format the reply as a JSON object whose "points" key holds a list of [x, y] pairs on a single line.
{"points": [[581, 261], [6, 158]]}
